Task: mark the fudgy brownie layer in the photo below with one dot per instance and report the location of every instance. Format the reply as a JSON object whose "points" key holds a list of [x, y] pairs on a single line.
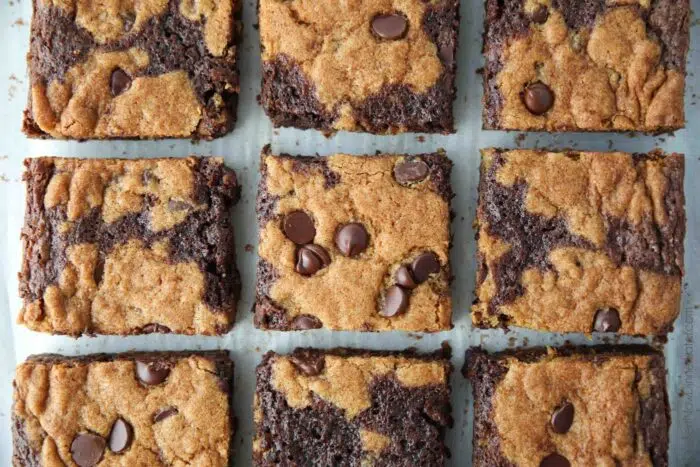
{"points": [[26, 453], [290, 97], [486, 371], [406, 423], [171, 41], [666, 23], [205, 236]]}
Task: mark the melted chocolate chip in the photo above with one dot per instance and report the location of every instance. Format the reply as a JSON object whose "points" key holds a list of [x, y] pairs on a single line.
{"points": [[352, 239], [390, 27], [151, 373], [425, 265], [410, 171], [607, 320], [562, 418], [538, 98], [119, 82], [404, 278], [395, 301], [120, 436], [555, 460], [87, 449], [308, 363], [164, 413], [299, 227], [540, 15], [311, 259], [304, 322]]}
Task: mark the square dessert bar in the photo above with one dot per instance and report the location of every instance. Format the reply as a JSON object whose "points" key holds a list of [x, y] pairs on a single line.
{"points": [[570, 406], [148, 408], [579, 241], [146, 69], [115, 246], [354, 243], [352, 407], [554, 65], [378, 67]]}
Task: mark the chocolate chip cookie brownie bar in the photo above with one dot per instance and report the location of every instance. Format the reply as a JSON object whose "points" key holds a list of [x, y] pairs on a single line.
{"points": [[352, 407], [556, 65], [146, 69], [354, 242], [580, 242], [114, 246], [378, 67], [159, 408], [570, 406]]}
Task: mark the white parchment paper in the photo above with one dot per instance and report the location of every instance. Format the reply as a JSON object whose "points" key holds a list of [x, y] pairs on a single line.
{"points": [[241, 150]]}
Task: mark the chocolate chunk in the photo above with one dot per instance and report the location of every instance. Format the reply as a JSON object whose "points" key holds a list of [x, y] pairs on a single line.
{"points": [[410, 171], [87, 449], [562, 418], [447, 53], [311, 258], [555, 460], [155, 328], [304, 322], [540, 15], [425, 265], [151, 373], [119, 82], [299, 228], [390, 27], [538, 98], [607, 320], [120, 436], [352, 239], [404, 278], [308, 363], [164, 413], [395, 302]]}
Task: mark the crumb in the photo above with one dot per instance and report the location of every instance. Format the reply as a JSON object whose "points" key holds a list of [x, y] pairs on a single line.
{"points": [[19, 22], [681, 393], [3, 178], [610, 144], [511, 341], [420, 138], [519, 138], [248, 247], [415, 336], [526, 341]]}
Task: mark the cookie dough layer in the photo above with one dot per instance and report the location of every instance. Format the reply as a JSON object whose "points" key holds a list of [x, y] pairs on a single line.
{"points": [[160, 408], [352, 407], [115, 246], [125, 69], [616, 65], [326, 67], [563, 237], [402, 222], [618, 410]]}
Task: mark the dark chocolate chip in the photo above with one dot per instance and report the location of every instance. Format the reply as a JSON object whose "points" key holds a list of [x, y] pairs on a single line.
{"points": [[404, 278], [99, 271], [540, 15], [425, 265], [303, 322], [395, 301], [87, 449], [390, 27], [223, 385], [562, 418], [120, 436], [151, 373], [308, 363], [311, 258], [352, 239], [555, 460], [164, 413], [299, 228], [538, 98], [155, 328], [607, 320], [447, 54], [119, 82], [410, 171]]}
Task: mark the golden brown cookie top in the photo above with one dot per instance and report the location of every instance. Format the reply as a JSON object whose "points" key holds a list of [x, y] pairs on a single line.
{"points": [[335, 231], [615, 65]]}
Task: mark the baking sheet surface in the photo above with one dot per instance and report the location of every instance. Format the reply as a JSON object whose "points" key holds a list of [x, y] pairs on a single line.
{"points": [[241, 150]]}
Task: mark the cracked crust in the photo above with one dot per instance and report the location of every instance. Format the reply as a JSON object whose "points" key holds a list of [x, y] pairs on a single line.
{"points": [[362, 408], [564, 235], [612, 65], [621, 411], [177, 60], [402, 222], [324, 68], [105, 249], [57, 397]]}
